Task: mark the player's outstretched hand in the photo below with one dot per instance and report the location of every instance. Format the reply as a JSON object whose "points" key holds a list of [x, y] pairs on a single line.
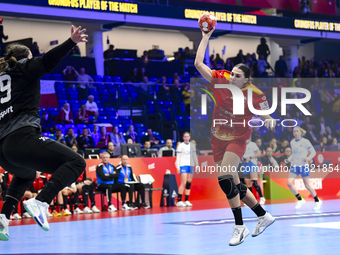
{"points": [[270, 123], [207, 35], [78, 35]]}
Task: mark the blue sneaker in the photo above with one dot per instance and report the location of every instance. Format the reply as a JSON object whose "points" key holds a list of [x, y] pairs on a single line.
{"points": [[38, 210], [4, 234]]}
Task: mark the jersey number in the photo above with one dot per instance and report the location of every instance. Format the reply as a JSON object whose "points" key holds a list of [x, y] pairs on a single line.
{"points": [[7, 88]]}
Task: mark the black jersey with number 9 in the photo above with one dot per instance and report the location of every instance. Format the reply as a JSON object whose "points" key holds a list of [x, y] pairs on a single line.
{"points": [[20, 89]]}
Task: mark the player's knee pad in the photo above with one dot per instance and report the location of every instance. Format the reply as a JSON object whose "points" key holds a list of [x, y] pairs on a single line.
{"points": [[188, 185], [242, 190], [228, 186]]}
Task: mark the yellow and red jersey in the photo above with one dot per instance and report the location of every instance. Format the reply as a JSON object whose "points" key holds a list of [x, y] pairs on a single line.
{"points": [[224, 109]]}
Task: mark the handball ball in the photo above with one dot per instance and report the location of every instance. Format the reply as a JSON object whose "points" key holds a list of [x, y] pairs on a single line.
{"points": [[207, 22]]}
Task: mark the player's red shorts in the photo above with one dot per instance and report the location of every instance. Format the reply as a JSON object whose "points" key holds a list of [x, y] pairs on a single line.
{"points": [[219, 147]]}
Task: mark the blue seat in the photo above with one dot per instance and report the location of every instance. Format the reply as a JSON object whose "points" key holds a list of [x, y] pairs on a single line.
{"points": [[74, 101], [53, 109], [59, 126], [97, 78], [83, 101], [75, 107], [81, 126], [59, 86], [58, 77], [116, 78], [67, 126], [47, 77], [102, 86], [110, 109], [107, 78], [42, 109], [61, 102], [151, 106], [73, 95]]}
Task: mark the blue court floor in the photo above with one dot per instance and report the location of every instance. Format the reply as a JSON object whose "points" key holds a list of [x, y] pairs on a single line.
{"points": [[186, 232]]}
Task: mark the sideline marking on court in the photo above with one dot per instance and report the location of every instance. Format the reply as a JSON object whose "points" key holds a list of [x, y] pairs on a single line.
{"points": [[279, 217]]}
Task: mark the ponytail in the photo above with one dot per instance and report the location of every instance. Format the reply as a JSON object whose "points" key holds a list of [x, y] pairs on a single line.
{"points": [[14, 53], [7, 63]]}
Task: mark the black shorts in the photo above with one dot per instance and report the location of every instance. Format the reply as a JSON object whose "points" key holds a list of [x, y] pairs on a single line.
{"points": [[25, 151]]}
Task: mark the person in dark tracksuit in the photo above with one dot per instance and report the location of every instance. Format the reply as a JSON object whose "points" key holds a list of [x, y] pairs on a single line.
{"points": [[23, 150]]}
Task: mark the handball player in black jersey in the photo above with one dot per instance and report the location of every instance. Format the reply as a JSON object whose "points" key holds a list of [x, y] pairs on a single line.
{"points": [[23, 150]]}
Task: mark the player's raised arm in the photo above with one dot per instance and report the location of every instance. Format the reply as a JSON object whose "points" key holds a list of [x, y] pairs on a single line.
{"points": [[204, 70]]}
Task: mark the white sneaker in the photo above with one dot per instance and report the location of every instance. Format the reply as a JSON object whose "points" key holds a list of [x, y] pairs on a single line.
{"points": [[16, 216], [26, 215], [125, 207], [38, 210], [11, 217], [4, 234], [187, 203], [300, 203], [262, 223], [112, 208], [77, 211], [95, 209], [67, 212], [48, 214], [240, 233], [262, 200], [87, 210], [181, 204], [318, 205]]}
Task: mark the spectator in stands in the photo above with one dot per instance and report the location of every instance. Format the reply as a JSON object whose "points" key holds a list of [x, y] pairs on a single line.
{"points": [[268, 159], [70, 74], [134, 76], [85, 140], [258, 142], [239, 58], [305, 123], [125, 174], [262, 65], [116, 137], [65, 115], [305, 73], [270, 135], [218, 62], [104, 138], [176, 92], [76, 149], [83, 115], [337, 129], [149, 137], [95, 134], [131, 134], [35, 49], [164, 90], [109, 53], [92, 107], [311, 136], [186, 95], [106, 174], [145, 151], [334, 141], [70, 137], [274, 146], [84, 83], [59, 137], [47, 124], [168, 146], [256, 134], [323, 143], [329, 135], [129, 141], [144, 58], [263, 49], [281, 67], [229, 65], [110, 147], [283, 145], [2, 36], [288, 153], [75, 52], [321, 126]]}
